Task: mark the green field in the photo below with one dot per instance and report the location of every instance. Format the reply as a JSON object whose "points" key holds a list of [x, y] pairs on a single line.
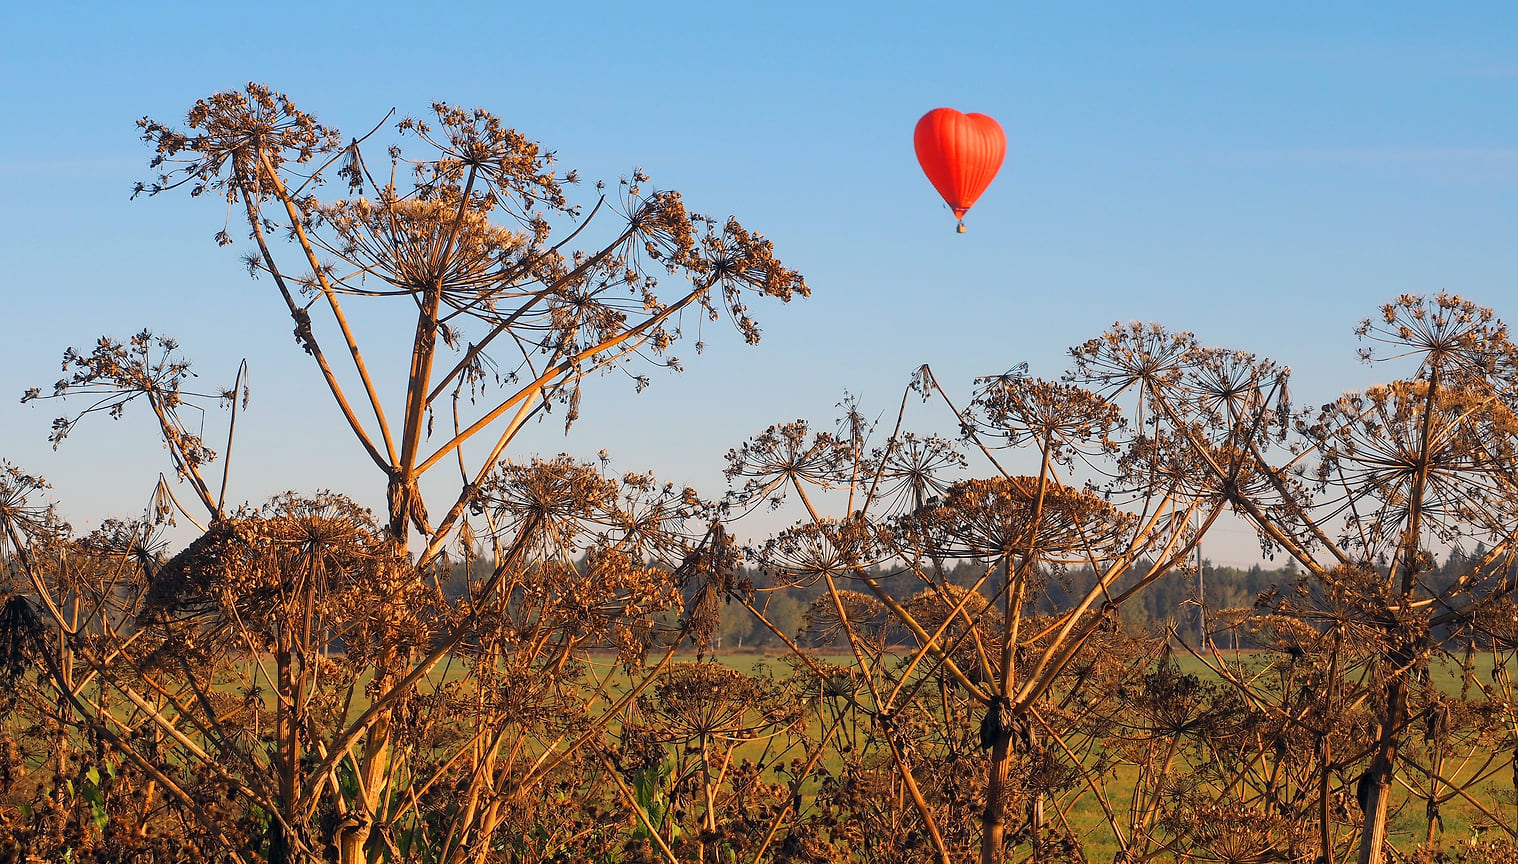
{"points": [[1409, 825], [1459, 819]]}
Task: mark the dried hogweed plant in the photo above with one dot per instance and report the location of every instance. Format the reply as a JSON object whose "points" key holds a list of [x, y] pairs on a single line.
{"points": [[928, 644], [1359, 494], [353, 650]]}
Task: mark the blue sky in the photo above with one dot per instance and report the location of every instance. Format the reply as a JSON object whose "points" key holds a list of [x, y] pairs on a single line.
{"points": [[1263, 176]]}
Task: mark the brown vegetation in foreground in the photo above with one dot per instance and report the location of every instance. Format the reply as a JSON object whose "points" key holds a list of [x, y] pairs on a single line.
{"points": [[308, 682]]}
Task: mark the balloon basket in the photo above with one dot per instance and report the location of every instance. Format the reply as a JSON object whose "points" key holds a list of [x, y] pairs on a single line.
{"points": [[960, 228]]}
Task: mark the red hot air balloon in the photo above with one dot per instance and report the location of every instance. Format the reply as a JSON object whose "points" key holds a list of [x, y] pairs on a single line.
{"points": [[960, 153]]}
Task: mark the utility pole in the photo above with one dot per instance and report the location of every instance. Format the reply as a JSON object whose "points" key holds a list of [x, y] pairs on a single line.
{"points": [[1201, 593]]}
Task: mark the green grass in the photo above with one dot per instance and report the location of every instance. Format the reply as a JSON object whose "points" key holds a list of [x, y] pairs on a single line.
{"points": [[1408, 824]]}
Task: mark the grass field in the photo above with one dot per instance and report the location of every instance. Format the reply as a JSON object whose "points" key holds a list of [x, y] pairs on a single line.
{"points": [[1408, 824]]}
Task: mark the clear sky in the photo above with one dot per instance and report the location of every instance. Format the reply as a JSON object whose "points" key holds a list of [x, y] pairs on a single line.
{"points": [[1263, 176]]}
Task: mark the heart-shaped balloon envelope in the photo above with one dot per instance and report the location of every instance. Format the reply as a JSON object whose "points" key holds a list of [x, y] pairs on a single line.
{"points": [[960, 153]]}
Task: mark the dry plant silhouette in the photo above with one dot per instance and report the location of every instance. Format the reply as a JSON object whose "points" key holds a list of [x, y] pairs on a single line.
{"points": [[328, 621], [1359, 494], [526, 670]]}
